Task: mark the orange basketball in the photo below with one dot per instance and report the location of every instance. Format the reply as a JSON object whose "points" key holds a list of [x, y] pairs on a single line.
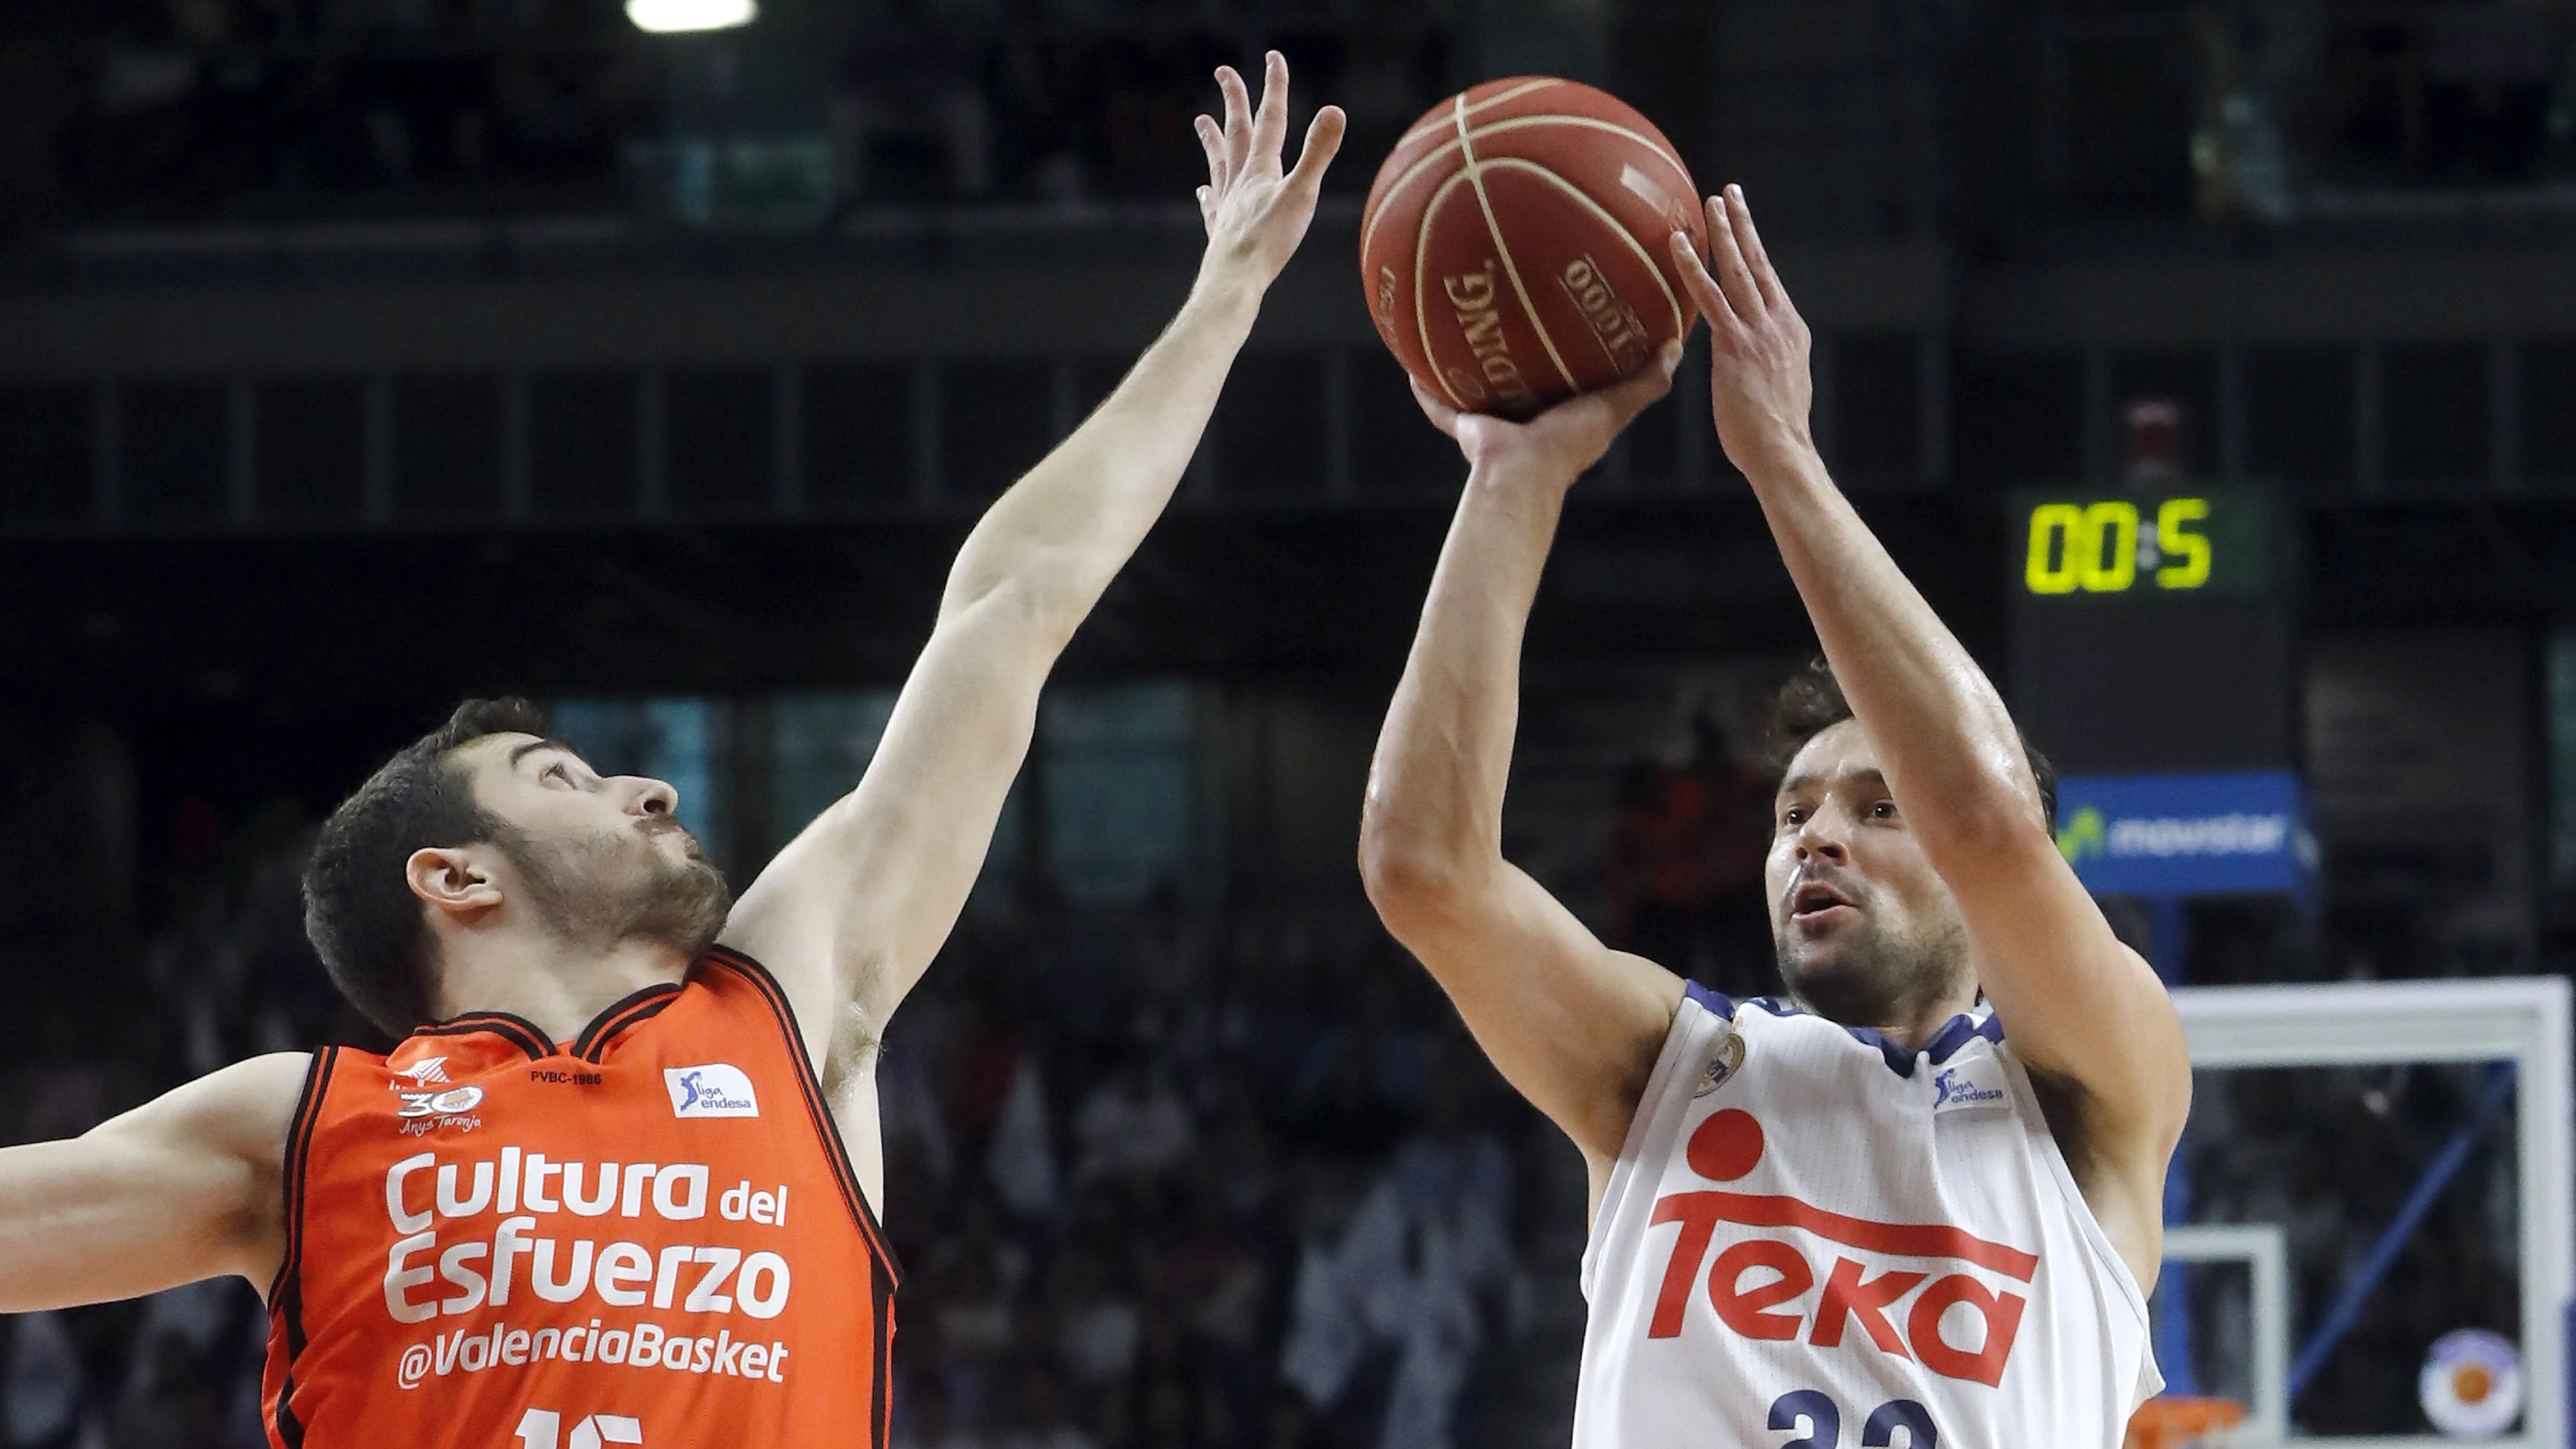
{"points": [[1514, 245]]}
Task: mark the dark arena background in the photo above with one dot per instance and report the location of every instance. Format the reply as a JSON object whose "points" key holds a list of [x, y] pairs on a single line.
{"points": [[2210, 364]]}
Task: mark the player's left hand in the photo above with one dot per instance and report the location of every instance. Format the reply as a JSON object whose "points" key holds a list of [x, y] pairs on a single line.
{"points": [[1759, 386], [1561, 442], [1256, 213]]}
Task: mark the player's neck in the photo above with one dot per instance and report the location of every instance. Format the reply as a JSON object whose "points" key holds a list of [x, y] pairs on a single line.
{"points": [[1913, 1023], [556, 985]]}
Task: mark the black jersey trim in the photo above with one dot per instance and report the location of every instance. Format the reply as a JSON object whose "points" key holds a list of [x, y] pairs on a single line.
{"points": [[882, 1369], [520, 1032], [626, 1011], [286, 1291], [810, 1084], [299, 1144]]}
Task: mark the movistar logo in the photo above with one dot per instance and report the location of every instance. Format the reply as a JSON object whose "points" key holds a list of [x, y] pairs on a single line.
{"points": [[2090, 834], [2085, 835]]}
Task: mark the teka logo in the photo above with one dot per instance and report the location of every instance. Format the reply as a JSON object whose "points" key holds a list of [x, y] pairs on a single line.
{"points": [[1775, 1306], [718, 1089], [1955, 1091]]}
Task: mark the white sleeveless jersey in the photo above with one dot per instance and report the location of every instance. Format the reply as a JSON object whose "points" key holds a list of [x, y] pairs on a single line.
{"points": [[1813, 1230]]}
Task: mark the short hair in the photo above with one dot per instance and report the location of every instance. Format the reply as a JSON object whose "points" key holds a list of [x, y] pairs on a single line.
{"points": [[1812, 702], [370, 931]]}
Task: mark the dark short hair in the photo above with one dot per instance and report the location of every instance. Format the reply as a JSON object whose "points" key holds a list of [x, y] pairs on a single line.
{"points": [[1812, 702], [359, 911]]}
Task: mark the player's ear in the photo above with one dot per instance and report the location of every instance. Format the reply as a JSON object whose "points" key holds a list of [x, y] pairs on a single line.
{"points": [[452, 880]]}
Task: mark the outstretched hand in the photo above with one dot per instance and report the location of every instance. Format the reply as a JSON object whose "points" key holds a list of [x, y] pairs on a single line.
{"points": [[1759, 385], [1256, 213], [1567, 438]]}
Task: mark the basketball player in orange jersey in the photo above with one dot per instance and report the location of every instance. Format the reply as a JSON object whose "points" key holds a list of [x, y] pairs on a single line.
{"points": [[618, 1184], [1879, 1199]]}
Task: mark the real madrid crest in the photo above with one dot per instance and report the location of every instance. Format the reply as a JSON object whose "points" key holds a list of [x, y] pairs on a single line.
{"points": [[1724, 1060]]}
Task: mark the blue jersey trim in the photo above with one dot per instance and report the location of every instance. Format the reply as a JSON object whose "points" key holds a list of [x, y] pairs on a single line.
{"points": [[1717, 1002], [1958, 1031], [1943, 1044]]}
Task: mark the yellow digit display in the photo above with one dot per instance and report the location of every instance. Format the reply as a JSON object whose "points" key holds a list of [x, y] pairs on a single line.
{"points": [[2097, 548], [2111, 551], [2177, 539], [2057, 536]]}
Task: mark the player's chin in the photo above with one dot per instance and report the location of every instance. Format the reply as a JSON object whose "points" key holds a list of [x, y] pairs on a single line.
{"points": [[1795, 955], [1815, 952]]}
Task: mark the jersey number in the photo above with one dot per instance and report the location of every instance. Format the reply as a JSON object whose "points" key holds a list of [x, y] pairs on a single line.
{"points": [[1819, 1423], [539, 1428]]}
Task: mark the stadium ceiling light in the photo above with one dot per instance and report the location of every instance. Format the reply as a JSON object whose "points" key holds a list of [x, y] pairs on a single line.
{"points": [[663, 17]]}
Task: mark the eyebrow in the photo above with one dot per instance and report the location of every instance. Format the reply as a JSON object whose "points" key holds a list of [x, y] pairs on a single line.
{"points": [[1796, 783], [521, 752]]}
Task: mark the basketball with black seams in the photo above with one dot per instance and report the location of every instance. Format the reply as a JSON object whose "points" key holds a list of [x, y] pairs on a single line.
{"points": [[1516, 246]]}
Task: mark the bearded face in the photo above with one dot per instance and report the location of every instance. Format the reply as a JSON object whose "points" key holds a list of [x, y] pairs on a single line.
{"points": [[1879, 966], [624, 884], [1866, 932]]}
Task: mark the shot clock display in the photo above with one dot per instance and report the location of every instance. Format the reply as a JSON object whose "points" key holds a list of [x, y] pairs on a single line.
{"points": [[2185, 545], [2153, 633]]}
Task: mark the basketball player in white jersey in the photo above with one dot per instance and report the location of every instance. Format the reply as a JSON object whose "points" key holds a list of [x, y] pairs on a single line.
{"points": [[488, 889], [1915, 1202]]}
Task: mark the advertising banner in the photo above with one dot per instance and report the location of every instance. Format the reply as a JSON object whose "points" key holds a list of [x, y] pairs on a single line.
{"points": [[2180, 835]]}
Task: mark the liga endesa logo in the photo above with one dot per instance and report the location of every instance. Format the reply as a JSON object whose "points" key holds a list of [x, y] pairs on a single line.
{"points": [[1774, 1306], [715, 1089]]}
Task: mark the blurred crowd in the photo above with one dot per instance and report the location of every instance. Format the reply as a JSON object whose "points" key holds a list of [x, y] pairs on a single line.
{"points": [[210, 110], [1173, 1181], [2457, 94], [191, 110], [227, 975], [1097, 105]]}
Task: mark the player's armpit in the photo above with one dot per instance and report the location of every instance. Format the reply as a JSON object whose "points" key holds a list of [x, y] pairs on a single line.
{"points": [[1574, 1026], [187, 1186], [850, 913], [2118, 1163]]}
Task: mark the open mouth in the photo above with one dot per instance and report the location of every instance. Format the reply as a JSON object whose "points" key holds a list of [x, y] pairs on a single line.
{"points": [[1814, 900]]}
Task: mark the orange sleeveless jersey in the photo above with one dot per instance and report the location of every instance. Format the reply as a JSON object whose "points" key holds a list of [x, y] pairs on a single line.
{"points": [[648, 1237]]}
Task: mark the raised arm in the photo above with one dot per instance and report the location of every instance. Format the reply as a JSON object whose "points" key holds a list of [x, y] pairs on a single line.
{"points": [[182, 1188], [1570, 1023], [2076, 1004], [851, 912]]}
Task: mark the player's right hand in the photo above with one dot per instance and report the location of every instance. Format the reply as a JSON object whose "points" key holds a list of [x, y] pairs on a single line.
{"points": [[1561, 442], [1255, 212]]}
